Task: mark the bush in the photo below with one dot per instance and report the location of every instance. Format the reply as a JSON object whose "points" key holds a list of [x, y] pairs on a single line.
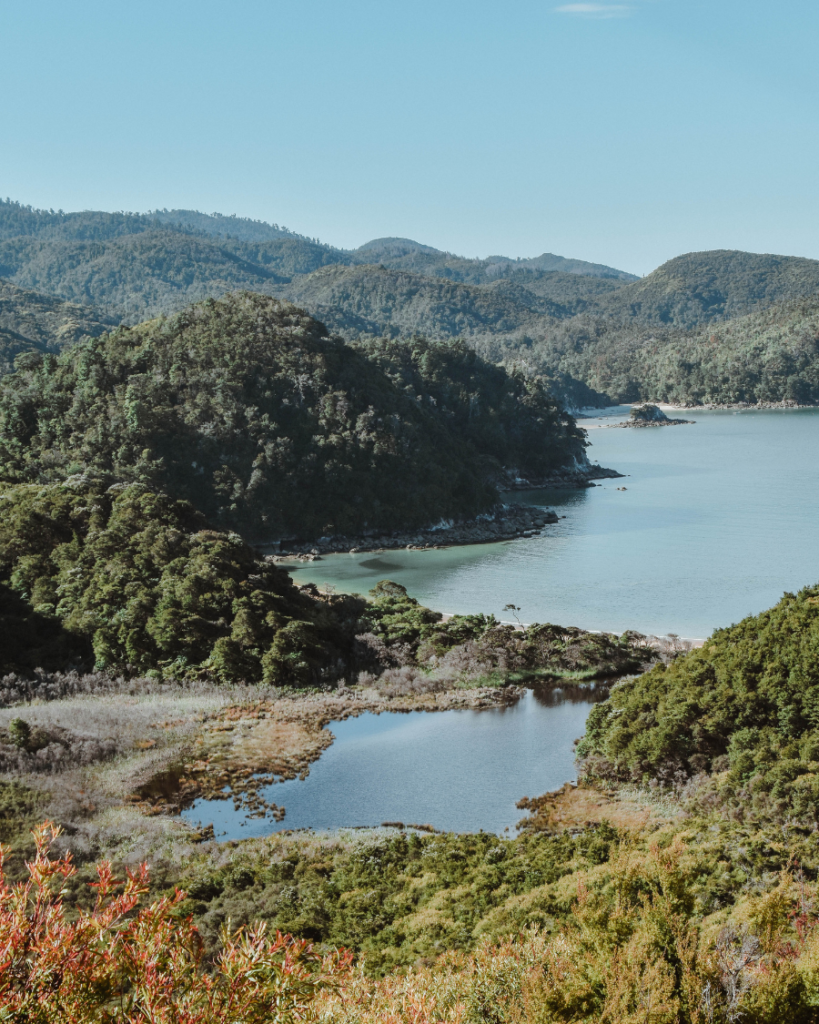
{"points": [[119, 963], [744, 707], [19, 732]]}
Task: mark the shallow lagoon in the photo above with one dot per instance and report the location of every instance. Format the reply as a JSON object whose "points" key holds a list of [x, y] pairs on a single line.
{"points": [[455, 770], [717, 521]]}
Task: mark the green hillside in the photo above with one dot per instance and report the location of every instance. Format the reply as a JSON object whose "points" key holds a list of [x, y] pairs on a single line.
{"points": [[742, 709], [702, 287], [242, 228], [134, 275], [378, 301], [248, 409], [30, 322], [624, 344]]}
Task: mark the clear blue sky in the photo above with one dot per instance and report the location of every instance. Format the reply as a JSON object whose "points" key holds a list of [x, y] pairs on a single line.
{"points": [[621, 133]]}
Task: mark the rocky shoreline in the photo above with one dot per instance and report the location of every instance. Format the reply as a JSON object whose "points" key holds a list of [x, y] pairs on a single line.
{"points": [[503, 522], [748, 406], [582, 476]]}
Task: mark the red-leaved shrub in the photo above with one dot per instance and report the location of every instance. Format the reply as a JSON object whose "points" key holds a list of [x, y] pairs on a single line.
{"points": [[118, 963]]}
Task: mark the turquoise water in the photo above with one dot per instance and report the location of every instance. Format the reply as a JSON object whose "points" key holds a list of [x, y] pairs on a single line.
{"points": [[717, 521], [455, 770]]}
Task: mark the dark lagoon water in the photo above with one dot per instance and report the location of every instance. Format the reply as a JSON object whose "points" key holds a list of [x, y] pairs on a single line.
{"points": [[718, 520], [456, 770]]}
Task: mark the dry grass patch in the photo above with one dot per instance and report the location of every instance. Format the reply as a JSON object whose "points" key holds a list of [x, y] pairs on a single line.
{"points": [[576, 807]]}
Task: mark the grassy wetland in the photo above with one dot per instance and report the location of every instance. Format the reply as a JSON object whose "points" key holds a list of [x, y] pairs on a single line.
{"points": [[112, 757]]}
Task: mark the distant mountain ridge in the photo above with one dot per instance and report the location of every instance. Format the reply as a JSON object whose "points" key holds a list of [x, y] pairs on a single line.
{"points": [[596, 333], [141, 265], [404, 253]]}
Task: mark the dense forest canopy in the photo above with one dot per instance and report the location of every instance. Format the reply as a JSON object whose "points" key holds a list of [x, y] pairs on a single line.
{"points": [[248, 409], [768, 356], [128, 578]]}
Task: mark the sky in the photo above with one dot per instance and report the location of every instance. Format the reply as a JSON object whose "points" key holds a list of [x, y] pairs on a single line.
{"points": [[622, 133]]}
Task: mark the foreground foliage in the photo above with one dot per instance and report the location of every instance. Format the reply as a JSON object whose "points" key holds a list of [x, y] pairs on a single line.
{"points": [[114, 963], [627, 956], [625, 935]]}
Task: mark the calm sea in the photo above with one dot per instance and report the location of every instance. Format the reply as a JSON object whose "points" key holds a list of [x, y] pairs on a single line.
{"points": [[718, 519]]}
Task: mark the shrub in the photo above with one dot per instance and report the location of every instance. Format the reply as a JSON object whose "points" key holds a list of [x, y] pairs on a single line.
{"points": [[19, 732], [116, 962]]}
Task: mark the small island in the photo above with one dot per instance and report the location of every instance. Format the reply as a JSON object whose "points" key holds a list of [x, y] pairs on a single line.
{"points": [[649, 416]]}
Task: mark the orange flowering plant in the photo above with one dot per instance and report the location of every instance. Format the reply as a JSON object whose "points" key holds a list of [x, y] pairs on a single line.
{"points": [[119, 963]]}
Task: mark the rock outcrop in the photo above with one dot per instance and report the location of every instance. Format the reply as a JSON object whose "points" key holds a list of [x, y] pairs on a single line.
{"points": [[649, 416]]}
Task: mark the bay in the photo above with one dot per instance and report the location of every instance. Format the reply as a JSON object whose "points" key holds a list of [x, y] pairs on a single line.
{"points": [[718, 519]]}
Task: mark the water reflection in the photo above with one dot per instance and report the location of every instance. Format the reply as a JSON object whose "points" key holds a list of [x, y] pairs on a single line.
{"points": [[456, 770], [569, 693]]}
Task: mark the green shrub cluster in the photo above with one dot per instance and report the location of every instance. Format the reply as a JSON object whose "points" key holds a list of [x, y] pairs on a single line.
{"points": [[744, 709], [396, 899]]}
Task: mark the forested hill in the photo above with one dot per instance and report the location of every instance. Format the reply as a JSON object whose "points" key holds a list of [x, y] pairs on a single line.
{"points": [[771, 356], [720, 326], [702, 287], [249, 410], [30, 322]]}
